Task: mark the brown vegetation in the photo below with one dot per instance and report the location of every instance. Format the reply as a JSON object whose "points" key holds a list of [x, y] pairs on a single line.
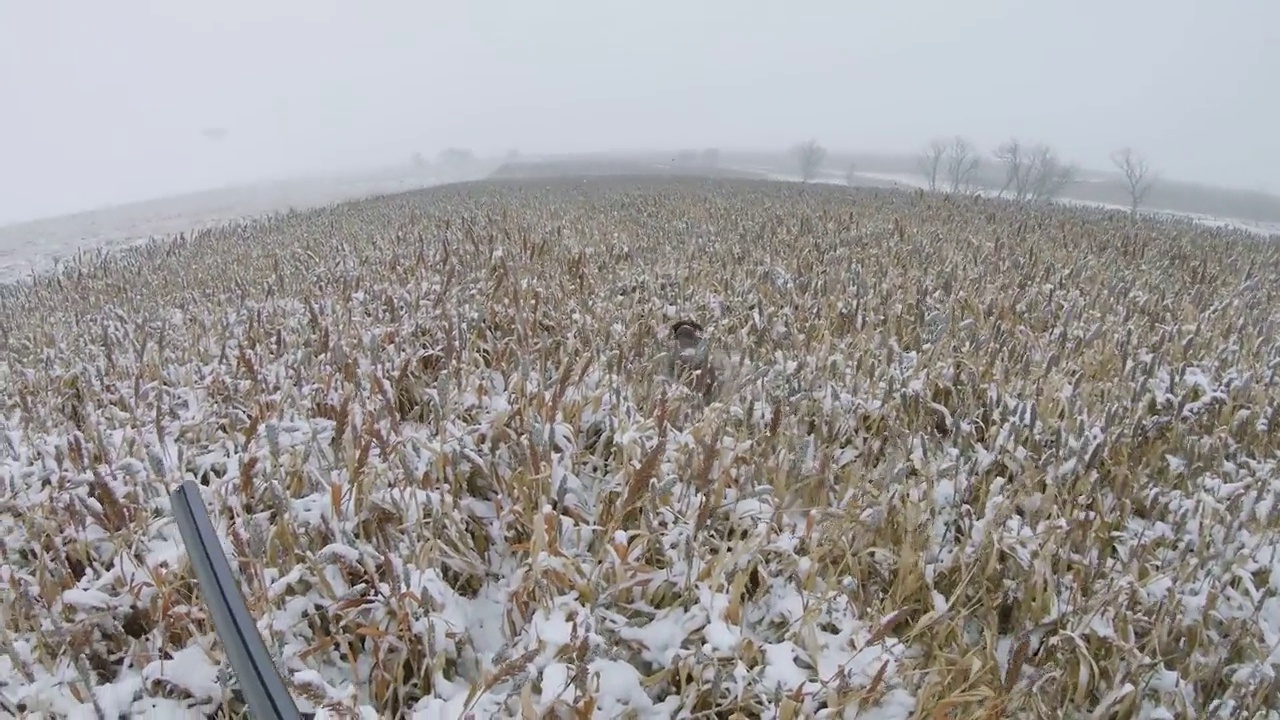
{"points": [[986, 462]]}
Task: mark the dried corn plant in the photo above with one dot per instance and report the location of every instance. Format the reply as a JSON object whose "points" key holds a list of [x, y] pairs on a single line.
{"points": [[963, 459]]}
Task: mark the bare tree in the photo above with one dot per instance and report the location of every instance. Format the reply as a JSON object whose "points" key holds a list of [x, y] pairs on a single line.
{"points": [[962, 163], [1033, 174], [809, 155], [1137, 175], [931, 162], [1016, 178], [1049, 175]]}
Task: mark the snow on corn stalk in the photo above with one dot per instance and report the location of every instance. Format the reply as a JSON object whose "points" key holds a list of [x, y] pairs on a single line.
{"points": [[942, 471]]}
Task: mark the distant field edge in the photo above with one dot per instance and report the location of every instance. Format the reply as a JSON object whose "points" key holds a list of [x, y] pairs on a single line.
{"points": [[526, 170]]}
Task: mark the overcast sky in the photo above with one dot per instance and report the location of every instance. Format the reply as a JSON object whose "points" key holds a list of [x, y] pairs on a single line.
{"points": [[104, 102]]}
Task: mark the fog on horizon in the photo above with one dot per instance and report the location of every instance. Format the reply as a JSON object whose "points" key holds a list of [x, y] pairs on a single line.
{"points": [[106, 102]]}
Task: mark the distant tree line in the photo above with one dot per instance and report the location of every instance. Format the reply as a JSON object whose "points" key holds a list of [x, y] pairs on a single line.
{"points": [[1031, 173]]}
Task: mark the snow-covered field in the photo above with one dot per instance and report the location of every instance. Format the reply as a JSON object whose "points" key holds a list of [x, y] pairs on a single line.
{"points": [[959, 461], [1256, 227], [36, 247], [914, 181]]}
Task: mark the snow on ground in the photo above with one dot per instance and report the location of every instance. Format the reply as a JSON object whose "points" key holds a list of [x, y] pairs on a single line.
{"points": [[36, 246], [903, 179]]}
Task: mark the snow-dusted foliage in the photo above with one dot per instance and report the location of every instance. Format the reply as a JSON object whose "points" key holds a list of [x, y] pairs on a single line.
{"points": [[962, 460]]}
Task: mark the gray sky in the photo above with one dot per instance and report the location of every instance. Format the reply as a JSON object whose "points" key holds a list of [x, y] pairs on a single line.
{"points": [[104, 102]]}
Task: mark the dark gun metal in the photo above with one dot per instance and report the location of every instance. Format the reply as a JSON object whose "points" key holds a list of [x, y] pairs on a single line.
{"points": [[261, 684]]}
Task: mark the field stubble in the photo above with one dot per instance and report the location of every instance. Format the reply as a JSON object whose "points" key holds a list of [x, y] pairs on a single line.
{"points": [[962, 459]]}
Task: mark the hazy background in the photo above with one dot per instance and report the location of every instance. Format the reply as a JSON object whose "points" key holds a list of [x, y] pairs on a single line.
{"points": [[103, 103]]}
